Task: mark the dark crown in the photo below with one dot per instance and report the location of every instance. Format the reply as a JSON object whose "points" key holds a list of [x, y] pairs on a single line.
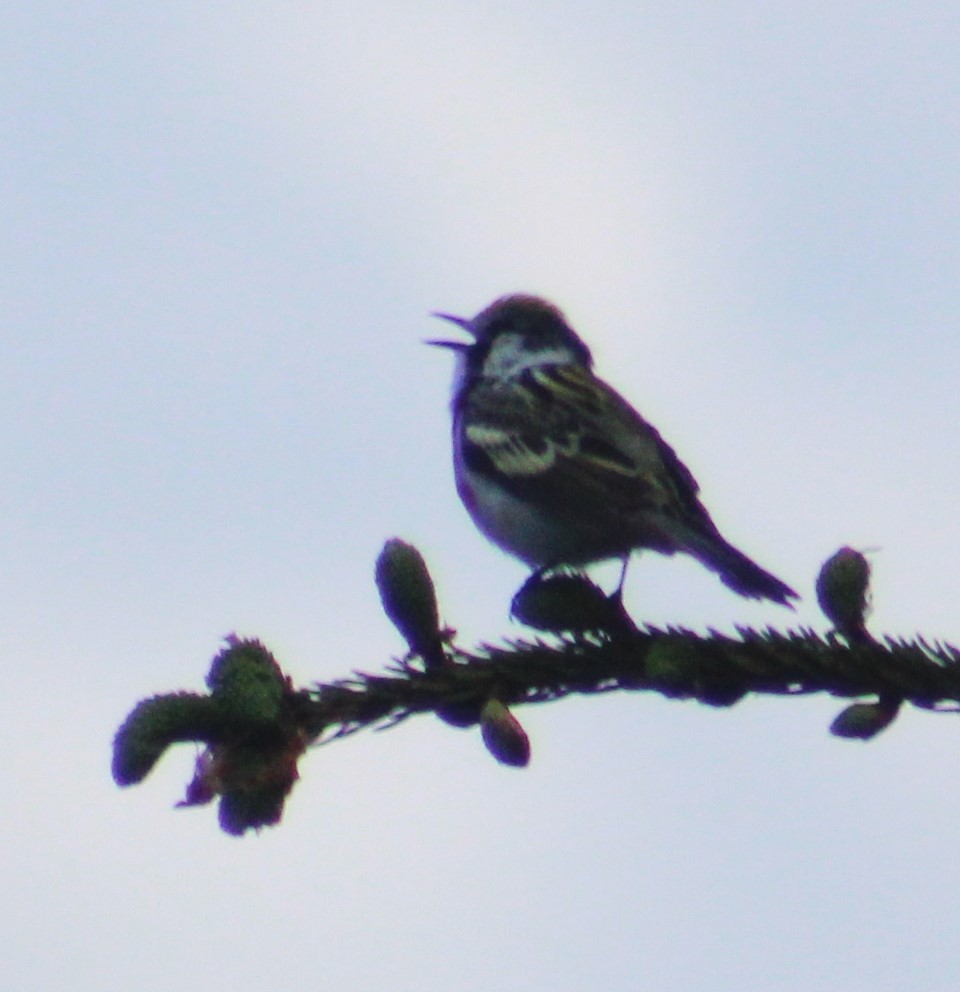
{"points": [[538, 321]]}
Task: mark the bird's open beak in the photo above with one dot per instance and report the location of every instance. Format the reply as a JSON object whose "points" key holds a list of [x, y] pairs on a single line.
{"points": [[453, 345], [460, 322]]}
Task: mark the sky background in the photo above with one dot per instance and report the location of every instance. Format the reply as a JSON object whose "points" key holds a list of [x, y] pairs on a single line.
{"points": [[222, 231]]}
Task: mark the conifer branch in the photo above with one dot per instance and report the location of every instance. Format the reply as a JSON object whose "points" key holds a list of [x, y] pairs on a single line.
{"points": [[255, 725]]}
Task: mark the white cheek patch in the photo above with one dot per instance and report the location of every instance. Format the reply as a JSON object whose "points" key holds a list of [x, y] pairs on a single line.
{"points": [[508, 357]]}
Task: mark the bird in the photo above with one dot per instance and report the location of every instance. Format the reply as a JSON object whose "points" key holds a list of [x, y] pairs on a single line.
{"points": [[557, 469]]}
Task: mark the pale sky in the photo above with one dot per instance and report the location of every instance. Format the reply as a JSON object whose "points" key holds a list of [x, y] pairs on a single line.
{"points": [[223, 231]]}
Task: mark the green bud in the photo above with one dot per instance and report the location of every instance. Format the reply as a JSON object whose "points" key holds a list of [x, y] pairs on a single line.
{"points": [[506, 740], [155, 724], [247, 683], [251, 809], [251, 731], [843, 591], [408, 597], [567, 602], [252, 781], [865, 720], [255, 783]]}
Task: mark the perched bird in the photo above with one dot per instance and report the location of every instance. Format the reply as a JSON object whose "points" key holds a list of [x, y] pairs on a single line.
{"points": [[556, 468]]}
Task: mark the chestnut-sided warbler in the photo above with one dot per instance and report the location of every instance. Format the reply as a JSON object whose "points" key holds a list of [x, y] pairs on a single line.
{"points": [[557, 468]]}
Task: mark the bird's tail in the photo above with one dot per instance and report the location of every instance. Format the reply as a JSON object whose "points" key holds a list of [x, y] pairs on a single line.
{"points": [[736, 570]]}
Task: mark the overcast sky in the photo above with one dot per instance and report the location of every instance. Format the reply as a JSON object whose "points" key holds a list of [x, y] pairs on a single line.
{"points": [[223, 228]]}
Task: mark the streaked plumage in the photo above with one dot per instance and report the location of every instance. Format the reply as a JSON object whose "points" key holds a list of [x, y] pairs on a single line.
{"points": [[557, 468]]}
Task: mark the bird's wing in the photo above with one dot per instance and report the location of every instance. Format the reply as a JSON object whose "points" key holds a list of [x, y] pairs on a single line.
{"points": [[562, 438]]}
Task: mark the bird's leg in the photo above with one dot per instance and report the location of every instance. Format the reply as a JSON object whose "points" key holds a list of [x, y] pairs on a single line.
{"points": [[617, 594], [620, 620]]}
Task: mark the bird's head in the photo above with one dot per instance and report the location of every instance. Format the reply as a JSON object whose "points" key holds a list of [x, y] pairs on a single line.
{"points": [[514, 333]]}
